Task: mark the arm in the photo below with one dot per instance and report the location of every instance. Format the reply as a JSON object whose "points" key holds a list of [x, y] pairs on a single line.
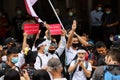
{"points": [[73, 66], [37, 37], [24, 41], [114, 24], [84, 42], [48, 35], [62, 46], [71, 34], [86, 72]]}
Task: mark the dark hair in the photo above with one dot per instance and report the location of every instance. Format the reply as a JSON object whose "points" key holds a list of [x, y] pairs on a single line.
{"points": [[12, 74], [108, 6], [115, 54], [12, 50], [41, 75], [100, 44]]}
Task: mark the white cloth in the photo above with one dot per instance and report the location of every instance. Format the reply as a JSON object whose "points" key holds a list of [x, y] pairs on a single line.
{"points": [[47, 42], [70, 55], [79, 75]]}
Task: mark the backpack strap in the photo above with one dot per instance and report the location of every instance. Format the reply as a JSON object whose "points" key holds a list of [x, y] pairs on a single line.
{"points": [[40, 60], [86, 64], [2, 66]]}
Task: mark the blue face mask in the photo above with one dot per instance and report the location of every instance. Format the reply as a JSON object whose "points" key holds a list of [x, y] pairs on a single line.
{"points": [[14, 60]]}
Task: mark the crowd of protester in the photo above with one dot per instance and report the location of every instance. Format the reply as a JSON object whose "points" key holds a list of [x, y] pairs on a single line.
{"points": [[69, 56]]}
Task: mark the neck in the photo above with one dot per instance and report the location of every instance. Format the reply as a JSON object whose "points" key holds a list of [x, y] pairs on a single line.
{"points": [[41, 52], [56, 75], [10, 63]]}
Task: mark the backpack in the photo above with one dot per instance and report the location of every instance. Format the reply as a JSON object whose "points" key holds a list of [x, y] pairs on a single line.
{"points": [[109, 76], [71, 74]]}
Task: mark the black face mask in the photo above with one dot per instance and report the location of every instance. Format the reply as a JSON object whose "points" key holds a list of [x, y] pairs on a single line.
{"points": [[52, 51], [75, 45]]}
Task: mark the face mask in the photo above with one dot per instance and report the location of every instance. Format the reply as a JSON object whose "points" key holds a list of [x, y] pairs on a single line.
{"points": [[52, 51], [75, 45], [108, 12], [14, 60], [99, 8], [70, 13], [19, 12], [4, 58], [111, 38], [46, 50]]}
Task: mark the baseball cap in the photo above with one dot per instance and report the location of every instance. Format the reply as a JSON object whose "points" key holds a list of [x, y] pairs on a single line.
{"points": [[116, 38], [9, 40]]}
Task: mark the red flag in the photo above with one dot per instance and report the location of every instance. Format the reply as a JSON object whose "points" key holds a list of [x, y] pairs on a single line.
{"points": [[29, 6]]}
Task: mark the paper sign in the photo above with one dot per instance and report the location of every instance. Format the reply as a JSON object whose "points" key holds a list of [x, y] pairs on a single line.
{"points": [[55, 29], [31, 28]]}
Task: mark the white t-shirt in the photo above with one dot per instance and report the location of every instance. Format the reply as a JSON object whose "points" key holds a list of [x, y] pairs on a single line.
{"points": [[44, 60], [60, 79], [70, 55], [79, 75]]}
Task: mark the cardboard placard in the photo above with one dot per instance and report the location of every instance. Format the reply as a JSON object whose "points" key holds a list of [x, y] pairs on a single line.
{"points": [[55, 29], [31, 28]]}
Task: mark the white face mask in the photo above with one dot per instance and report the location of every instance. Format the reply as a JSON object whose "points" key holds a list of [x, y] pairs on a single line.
{"points": [[111, 38], [4, 58], [70, 13], [99, 8], [19, 12]]}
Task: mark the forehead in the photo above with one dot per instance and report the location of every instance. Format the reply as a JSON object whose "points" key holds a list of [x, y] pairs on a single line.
{"points": [[99, 5], [107, 9], [81, 53], [101, 49], [14, 54]]}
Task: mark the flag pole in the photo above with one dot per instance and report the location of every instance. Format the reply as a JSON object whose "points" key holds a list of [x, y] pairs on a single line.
{"points": [[56, 14]]}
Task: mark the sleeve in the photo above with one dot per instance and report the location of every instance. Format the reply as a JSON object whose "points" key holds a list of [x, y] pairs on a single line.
{"points": [[89, 67], [62, 46], [72, 63], [37, 63], [34, 48], [21, 59]]}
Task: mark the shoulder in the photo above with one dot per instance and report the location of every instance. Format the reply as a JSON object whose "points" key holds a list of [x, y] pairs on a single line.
{"points": [[99, 71]]}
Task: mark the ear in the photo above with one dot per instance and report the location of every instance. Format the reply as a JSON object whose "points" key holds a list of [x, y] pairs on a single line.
{"points": [[109, 59]]}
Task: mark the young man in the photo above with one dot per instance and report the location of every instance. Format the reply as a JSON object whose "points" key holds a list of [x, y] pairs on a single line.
{"points": [[12, 59], [96, 22], [113, 66], [81, 68]]}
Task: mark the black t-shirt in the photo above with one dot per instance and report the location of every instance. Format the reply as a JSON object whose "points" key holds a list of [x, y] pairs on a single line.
{"points": [[4, 68]]}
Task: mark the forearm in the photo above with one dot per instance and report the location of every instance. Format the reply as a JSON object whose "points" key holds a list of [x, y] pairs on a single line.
{"points": [[83, 42], [24, 42], [115, 23], [72, 68]]}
